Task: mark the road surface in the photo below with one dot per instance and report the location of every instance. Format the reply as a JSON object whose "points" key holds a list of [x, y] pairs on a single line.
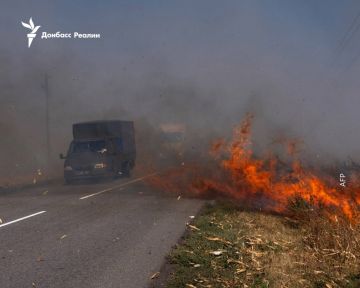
{"points": [[113, 234]]}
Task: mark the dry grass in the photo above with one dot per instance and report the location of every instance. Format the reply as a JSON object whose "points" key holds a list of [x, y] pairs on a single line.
{"points": [[228, 247], [331, 249], [21, 180]]}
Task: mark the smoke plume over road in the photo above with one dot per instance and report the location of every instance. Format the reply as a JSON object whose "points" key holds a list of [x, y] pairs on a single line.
{"points": [[204, 64]]}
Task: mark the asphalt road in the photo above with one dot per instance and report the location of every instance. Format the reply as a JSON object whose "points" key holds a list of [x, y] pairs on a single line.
{"points": [[113, 234]]}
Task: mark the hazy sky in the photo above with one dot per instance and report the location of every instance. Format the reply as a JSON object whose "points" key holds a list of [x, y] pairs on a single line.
{"points": [[198, 62]]}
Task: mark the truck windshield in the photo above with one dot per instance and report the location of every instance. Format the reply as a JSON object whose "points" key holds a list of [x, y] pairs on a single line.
{"points": [[88, 146]]}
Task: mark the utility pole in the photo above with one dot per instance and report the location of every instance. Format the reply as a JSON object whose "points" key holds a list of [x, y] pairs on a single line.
{"points": [[47, 122]]}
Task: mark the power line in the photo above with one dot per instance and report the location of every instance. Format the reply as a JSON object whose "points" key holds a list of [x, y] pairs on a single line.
{"points": [[349, 34]]}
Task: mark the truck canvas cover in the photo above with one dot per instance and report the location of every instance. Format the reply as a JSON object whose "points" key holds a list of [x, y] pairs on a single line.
{"points": [[103, 129]]}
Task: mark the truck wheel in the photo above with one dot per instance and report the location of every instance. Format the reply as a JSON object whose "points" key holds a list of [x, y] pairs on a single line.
{"points": [[126, 169], [116, 172]]}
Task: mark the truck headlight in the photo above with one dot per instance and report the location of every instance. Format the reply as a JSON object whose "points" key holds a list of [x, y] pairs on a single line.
{"points": [[100, 166], [68, 168]]}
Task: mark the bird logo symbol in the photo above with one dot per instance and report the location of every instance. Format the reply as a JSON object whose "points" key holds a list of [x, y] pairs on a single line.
{"points": [[33, 29]]}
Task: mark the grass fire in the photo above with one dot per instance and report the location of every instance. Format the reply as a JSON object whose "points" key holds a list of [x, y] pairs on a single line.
{"points": [[268, 183], [275, 221]]}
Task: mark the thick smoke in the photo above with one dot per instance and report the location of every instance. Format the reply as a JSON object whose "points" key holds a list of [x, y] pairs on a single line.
{"points": [[204, 65]]}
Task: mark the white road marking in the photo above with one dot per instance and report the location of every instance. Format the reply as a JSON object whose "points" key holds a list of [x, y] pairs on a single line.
{"points": [[22, 218], [97, 193], [118, 186]]}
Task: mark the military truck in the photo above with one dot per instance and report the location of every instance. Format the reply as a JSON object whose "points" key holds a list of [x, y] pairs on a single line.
{"points": [[100, 149]]}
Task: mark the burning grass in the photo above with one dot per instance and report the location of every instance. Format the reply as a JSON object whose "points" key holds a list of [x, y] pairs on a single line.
{"points": [[233, 171], [229, 247], [300, 227]]}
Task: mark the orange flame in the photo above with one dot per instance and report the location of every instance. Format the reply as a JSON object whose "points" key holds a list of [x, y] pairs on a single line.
{"points": [[252, 177], [263, 183]]}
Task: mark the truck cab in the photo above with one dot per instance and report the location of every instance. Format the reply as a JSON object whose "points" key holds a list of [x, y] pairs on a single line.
{"points": [[100, 149]]}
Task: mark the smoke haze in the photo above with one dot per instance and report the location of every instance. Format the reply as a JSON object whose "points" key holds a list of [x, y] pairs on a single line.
{"points": [[203, 63]]}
